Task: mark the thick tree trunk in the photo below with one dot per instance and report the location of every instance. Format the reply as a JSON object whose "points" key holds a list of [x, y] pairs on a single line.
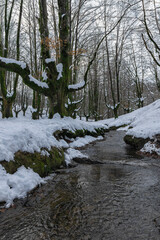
{"points": [[51, 107], [61, 99], [36, 104], [7, 108]]}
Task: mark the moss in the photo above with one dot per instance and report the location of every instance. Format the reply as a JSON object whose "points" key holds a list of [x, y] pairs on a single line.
{"points": [[43, 165], [84, 132], [137, 143], [116, 127], [80, 133]]}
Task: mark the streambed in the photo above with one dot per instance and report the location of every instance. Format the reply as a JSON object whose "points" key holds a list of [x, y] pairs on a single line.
{"points": [[116, 200]]}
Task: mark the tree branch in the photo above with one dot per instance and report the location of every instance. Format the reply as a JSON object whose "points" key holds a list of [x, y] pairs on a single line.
{"points": [[22, 69]]}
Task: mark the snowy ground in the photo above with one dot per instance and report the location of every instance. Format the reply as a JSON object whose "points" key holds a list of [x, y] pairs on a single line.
{"points": [[142, 123], [31, 135]]}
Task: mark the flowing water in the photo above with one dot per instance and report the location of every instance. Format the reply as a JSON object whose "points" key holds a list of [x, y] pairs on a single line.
{"points": [[117, 200]]}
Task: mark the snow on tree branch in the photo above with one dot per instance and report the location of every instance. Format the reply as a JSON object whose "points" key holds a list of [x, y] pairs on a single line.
{"points": [[22, 69], [9, 60], [37, 82], [76, 87], [75, 102], [49, 60]]}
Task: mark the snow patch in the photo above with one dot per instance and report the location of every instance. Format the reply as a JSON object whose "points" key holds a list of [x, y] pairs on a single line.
{"points": [[150, 147], [59, 70], [82, 141], [143, 122], [72, 153], [38, 83], [9, 60], [49, 60], [44, 75], [77, 86], [18, 184]]}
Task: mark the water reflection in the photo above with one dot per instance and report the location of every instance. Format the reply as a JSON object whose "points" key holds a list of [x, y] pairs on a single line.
{"points": [[115, 173]]}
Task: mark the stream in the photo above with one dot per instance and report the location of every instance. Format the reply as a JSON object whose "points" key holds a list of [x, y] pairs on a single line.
{"points": [[116, 200]]}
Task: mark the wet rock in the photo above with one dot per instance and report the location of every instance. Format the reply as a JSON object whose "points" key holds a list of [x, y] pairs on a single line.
{"points": [[157, 138], [86, 161], [137, 143]]}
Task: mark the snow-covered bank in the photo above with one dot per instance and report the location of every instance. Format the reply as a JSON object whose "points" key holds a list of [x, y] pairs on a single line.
{"points": [[26, 135], [143, 123], [18, 184]]}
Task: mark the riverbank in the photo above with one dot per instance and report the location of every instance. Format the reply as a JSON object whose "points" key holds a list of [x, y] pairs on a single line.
{"points": [[30, 150], [142, 128]]}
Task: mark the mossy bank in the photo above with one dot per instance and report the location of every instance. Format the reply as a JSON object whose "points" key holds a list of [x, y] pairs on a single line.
{"points": [[47, 161], [135, 142]]}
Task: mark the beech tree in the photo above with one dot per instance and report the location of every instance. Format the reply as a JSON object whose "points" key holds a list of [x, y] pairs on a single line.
{"points": [[55, 81], [9, 97], [55, 78]]}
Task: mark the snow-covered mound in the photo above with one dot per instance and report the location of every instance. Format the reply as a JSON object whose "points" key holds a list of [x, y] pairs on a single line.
{"points": [[31, 136], [18, 184], [142, 123]]}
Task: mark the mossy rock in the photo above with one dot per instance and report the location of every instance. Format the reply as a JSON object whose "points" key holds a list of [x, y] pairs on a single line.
{"points": [[43, 165], [137, 143], [83, 133], [116, 127]]}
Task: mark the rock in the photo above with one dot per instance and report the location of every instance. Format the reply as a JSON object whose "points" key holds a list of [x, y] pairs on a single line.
{"points": [[116, 127], [42, 164], [86, 161], [137, 143], [157, 138]]}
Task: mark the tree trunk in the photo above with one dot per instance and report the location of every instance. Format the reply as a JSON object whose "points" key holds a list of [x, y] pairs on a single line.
{"points": [[51, 107], [36, 104], [7, 108]]}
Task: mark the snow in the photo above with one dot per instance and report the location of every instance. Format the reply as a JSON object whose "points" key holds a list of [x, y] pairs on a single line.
{"points": [[29, 135], [24, 134], [59, 70], [150, 147], [44, 75], [10, 94], [45, 153], [9, 60], [142, 123], [81, 142], [74, 102], [18, 184], [72, 153], [77, 86], [49, 60], [38, 83]]}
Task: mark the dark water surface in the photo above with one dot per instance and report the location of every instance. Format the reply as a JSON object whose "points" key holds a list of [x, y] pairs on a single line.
{"points": [[118, 200]]}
